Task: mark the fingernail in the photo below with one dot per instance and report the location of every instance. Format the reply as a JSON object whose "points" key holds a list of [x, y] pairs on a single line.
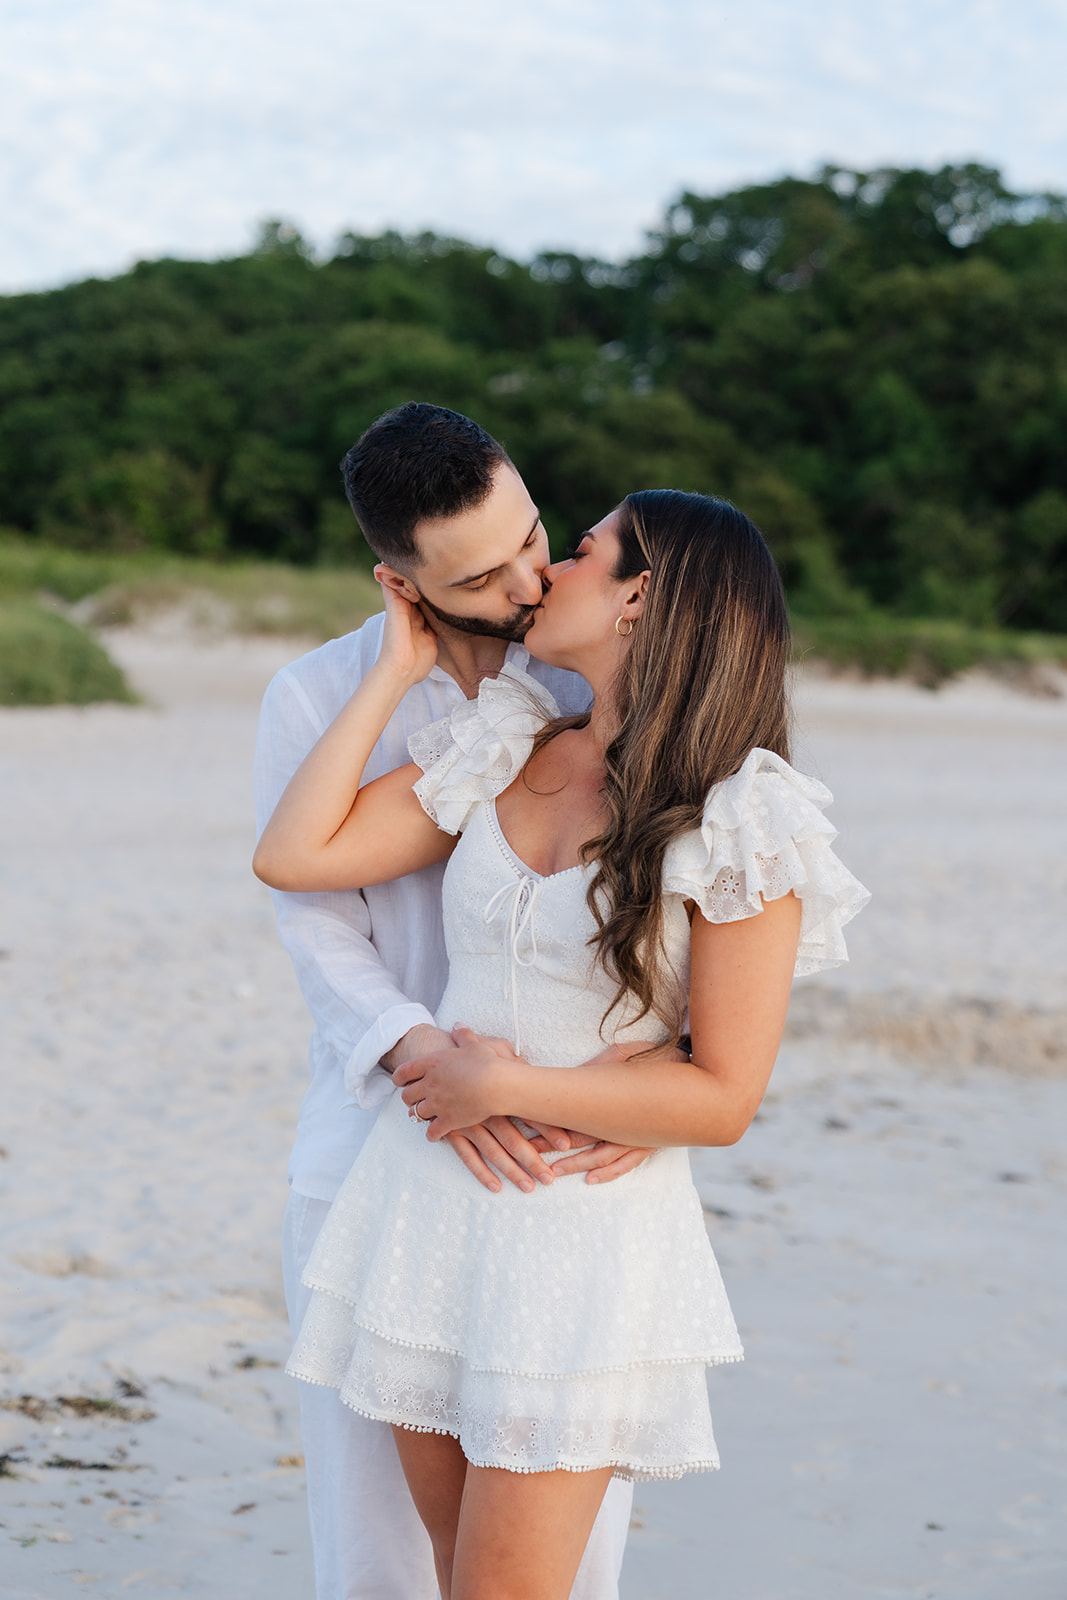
{"points": [[563, 1144], [526, 1186], [592, 1178], [546, 1177], [495, 1187]]}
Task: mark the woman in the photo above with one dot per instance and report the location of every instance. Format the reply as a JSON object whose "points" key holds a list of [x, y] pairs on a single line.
{"points": [[612, 875]]}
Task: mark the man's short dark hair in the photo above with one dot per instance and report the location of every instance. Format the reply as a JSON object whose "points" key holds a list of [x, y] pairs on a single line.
{"points": [[415, 463]]}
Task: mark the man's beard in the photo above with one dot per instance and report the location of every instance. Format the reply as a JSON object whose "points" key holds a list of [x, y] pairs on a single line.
{"points": [[514, 628]]}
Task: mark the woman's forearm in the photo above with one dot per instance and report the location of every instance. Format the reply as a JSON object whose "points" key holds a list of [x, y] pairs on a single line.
{"points": [[645, 1101], [321, 793], [738, 994], [655, 1103]]}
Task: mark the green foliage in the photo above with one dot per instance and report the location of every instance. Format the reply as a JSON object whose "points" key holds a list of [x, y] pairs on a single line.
{"points": [[952, 564], [927, 650], [133, 500], [46, 660], [1039, 533], [874, 365], [30, 565]]}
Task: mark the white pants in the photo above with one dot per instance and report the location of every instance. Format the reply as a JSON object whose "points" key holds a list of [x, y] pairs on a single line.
{"points": [[367, 1539]]}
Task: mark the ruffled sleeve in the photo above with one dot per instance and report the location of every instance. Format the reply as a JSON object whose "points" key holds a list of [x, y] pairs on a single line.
{"points": [[473, 755], [763, 833]]}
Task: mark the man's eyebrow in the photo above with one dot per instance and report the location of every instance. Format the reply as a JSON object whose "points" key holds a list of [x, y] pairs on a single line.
{"points": [[476, 577]]}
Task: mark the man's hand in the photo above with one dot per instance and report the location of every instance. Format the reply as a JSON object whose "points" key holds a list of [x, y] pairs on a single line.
{"points": [[599, 1159], [463, 1075], [409, 644], [496, 1143], [421, 1040]]}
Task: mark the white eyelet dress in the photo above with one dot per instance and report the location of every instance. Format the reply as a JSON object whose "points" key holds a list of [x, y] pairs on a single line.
{"points": [[568, 1328]]}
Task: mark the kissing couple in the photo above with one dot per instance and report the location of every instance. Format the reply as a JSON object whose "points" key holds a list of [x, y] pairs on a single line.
{"points": [[546, 875]]}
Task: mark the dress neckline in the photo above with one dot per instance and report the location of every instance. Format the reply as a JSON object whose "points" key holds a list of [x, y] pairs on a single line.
{"points": [[515, 861]]}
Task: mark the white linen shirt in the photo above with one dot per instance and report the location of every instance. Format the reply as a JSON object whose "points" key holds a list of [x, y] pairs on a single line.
{"points": [[370, 963]]}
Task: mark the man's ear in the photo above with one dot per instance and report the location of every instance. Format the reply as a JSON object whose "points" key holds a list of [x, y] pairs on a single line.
{"points": [[397, 582]]}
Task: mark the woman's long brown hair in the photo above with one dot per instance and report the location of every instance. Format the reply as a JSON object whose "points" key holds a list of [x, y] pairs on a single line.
{"points": [[701, 685]]}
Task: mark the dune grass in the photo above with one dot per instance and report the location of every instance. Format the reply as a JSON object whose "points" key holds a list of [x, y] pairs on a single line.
{"points": [[38, 646], [51, 598], [257, 597], [314, 603], [926, 650], [46, 660]]}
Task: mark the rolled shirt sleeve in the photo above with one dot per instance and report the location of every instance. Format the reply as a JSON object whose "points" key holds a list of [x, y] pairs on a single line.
{"points": [[371, 965], [359, 1009], [365, 1077]]}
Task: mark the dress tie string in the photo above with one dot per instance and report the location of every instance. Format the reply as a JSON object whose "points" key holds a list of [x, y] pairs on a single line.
{"points": [[517, 900]]}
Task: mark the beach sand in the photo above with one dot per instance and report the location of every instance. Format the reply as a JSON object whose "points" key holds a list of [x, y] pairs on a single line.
{"points": [[889, 1229]]}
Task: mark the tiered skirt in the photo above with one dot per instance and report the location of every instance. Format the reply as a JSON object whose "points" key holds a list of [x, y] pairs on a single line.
{"points": [[568, 1328]]}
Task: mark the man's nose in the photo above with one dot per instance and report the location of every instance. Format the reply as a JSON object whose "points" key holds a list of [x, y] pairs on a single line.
{"points": [[528, 586]]}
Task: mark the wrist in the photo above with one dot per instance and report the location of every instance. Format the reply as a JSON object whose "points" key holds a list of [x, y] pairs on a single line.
{"points": [[423, 1039], [393, 678], [515, 1087]]}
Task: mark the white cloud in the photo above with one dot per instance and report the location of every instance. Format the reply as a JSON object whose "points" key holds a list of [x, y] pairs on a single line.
{"points": [[138, 127]]}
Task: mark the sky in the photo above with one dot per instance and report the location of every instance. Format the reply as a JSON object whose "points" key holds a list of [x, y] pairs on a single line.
{"points": [[131, 129]]}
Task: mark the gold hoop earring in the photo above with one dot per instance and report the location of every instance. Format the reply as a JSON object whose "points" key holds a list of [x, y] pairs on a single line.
{"points": [[629, 627]]}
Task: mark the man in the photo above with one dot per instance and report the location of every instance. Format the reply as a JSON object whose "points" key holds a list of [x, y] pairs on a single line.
{"points": [[455, 530]]}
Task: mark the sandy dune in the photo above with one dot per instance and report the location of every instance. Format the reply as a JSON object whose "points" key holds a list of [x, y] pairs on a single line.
{"points": [[889, 1229]]}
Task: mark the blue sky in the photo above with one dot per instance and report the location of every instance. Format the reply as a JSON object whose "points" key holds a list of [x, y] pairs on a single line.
{"points": [[134, 128]]}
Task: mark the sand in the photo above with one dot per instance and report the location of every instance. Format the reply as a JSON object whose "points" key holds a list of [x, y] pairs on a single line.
{"points": [[890, 1228]]}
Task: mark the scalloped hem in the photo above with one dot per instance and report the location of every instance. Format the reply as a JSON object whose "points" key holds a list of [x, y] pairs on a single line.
{"points": [[629, 1473], [716, 1359], [516, 1372], [648, 1421]]}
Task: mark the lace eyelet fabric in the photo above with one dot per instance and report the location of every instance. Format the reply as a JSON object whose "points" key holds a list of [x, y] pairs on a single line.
{"points": [[569, 1328]]}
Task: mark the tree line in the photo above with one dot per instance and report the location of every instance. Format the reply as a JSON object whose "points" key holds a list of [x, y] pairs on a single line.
{"points": [[872, 365]]}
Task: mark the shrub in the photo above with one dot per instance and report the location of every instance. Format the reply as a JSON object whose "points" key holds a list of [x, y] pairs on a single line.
{"points": [[928, 650], [45, 660]]}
